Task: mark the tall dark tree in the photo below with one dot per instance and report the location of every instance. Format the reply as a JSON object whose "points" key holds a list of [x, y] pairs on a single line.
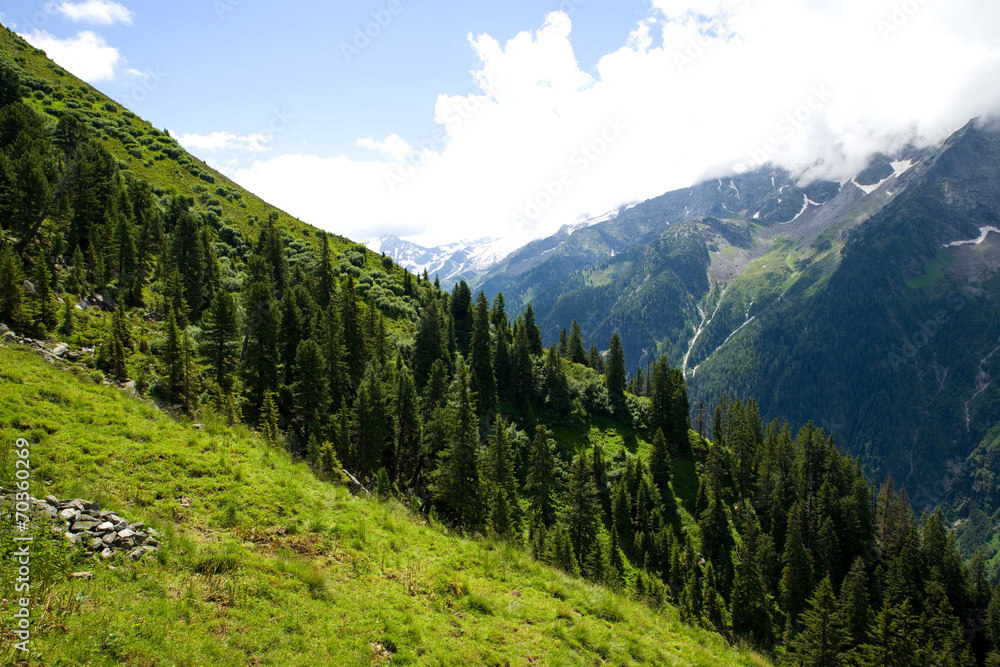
{"points": [[456, 485], [463, 315], [823, 640], [581, 513], [354, 339], [220, 327], [532, 330], [481, 360], [428, 344], [659, 462], [312, 402], [372, 432], [259, 365], [615, 367], [542, 484], [503, 516], [577, 353], [188, 253], [11, 288], [406, 421]]}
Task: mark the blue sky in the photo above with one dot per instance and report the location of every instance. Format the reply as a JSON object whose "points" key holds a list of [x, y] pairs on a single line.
{"points": [[463, 120]]}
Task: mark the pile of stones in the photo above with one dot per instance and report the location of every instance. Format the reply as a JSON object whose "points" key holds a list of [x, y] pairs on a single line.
{"points": [[102, 533]]}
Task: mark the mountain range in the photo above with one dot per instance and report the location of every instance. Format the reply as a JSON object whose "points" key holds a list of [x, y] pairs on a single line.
{"points": [[871, 300]]}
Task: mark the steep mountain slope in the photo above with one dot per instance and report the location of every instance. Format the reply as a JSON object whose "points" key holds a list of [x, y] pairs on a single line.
{"points": [[281, 568], [876, 298]]}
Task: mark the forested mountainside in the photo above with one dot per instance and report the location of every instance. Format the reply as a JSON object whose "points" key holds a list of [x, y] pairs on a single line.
{"points": [[306, 357], [871, 302]]}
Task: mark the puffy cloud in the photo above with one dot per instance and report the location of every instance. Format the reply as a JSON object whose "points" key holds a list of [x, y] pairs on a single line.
{"points": [[101, 12], [87, 55], [217, 141], [699, 89]]}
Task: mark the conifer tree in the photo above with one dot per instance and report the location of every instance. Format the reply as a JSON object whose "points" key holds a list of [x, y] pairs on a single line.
{"points": [[407, 429], [533, 332], [312, 402], [260, 346], [481, 361], [11, 288], [595, 360], [188, 254], [542, 481], [581, 510], [751, 609], [823, 640], [462, 312], [372, 431], [292, 333], [456, 485], [354, 340], [563, 343], [269, 419], [894, 638], [428, 344], [173, 358], [327, 286], [659, 463], [797, 575], [577, 353], [502, 511], [615, 368], [556, 386], [220, 327], [68, 319], [854, 605], [45, 312], [332, 340]]}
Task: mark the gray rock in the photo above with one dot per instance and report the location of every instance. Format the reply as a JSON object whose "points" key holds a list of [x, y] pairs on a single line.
{"points": [[69, 514], [107, 553], [126, 534], [96, 544], [77, 504], [137, 553], [151, 542], [140, 538], [120, 526], [137, 526], [105, 527], [110, 538], [52, 500], [83, 525], [60, 350], [94, 506], [75, 539]]}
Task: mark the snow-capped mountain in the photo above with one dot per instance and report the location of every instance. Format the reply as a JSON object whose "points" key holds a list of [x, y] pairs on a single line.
{"points": [[451, 263]]}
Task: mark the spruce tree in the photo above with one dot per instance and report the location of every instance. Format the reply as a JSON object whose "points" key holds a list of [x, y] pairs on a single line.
{"points": [[45, 312], [220, 328], [797, 575], [751, 608], [312, 402], [502, 510], [188, 254], [481, 361], [354, 340], [11, 289], [581, 513], [542, 481], [615, 368], [406, 422], [659, 463], [577, 353], [372, 432], [854, 605], [533, 332], [456, 485], [260, 346], [595, 360], [173, 358], [428, 344], [823, 640]]}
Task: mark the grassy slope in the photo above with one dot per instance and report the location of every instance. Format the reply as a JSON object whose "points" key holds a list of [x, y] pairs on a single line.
{"points": [[271, 566]]}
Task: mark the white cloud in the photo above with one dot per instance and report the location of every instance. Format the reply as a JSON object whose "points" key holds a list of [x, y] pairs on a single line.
{"points": [[101, 12], [217, 141], [698, 89], [394, 147], [87, 55]]}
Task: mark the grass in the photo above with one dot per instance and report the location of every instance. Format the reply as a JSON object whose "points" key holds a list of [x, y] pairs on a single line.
{"points": [[933, 272], [302, 573]]}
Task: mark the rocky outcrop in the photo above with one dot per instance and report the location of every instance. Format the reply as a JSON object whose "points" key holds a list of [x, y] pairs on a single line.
{"points": [[84, 524]]}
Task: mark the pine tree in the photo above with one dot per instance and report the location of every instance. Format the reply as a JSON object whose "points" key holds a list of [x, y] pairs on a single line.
{"points": [[556, 386], [563, 343], [173, 358], [220, 328], [463, 315], [456, 485], [292, 333], [581, 511], [312, 403], [823, 640], [595, 360], [854, 606], [125, 260], [11, 289], [354, 340], [68, 319], [407, 429], [542, 481], [894, 638], [45, 312], [428, 344], [372, 432], [751, 609], [577, 354], [533, 332], [502, 510], [797, 575], [615, 368], [260, 347], [188, 254], [481, 362], [327, 286], [269, 419], [659, 463]]}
